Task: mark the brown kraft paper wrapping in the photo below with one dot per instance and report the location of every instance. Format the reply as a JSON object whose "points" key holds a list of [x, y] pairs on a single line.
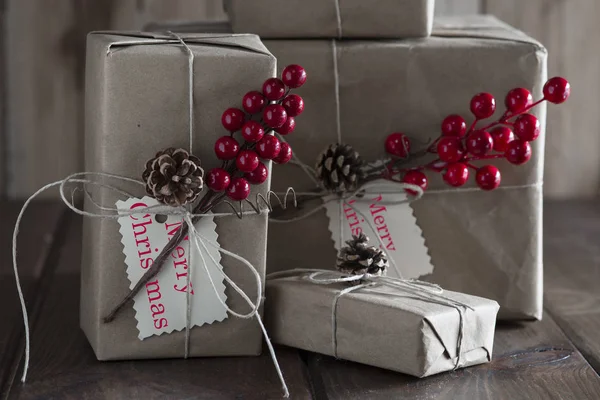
{"points": [[319, 18], [136, 105], [380, 327], [487, 244]]}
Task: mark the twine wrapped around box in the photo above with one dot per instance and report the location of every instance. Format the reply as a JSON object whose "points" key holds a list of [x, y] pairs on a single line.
{"points": [[420, 290], [406, 326]]}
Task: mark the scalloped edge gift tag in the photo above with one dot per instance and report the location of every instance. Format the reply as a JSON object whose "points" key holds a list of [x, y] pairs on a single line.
{"points": [[161, 308]]}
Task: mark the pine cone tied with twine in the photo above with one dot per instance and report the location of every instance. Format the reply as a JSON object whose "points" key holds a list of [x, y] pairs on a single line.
{"points": [[340, 168], [358, 258], [174, 177]]}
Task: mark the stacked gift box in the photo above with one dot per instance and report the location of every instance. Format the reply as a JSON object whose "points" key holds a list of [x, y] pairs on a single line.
{"points": [[486, 243], [381, 81], [137, 91], [374, 68], [368, 80]]}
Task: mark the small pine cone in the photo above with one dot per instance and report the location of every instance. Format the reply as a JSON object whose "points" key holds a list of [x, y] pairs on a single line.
{"points": [[358, 258], [174, 177], [340, 168]]}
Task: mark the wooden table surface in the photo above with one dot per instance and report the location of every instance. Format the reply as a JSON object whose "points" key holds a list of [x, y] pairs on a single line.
{"points": [[557, 358]]}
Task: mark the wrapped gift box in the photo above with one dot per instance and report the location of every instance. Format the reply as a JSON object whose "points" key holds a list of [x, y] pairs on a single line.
{"points": [[487, 244], [136, 105], [332, 18], [381, 326]]}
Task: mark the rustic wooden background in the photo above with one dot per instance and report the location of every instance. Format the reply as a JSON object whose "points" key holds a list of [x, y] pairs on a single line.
{"points": [[41, 95]]}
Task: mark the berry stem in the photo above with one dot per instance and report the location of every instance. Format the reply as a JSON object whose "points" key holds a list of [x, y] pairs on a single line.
{"points": [[288, 91], [529, 107], [472, 127], [502, 121], [431, 166], [507, 115], [487, 157], [214, 201], [433, 147]]}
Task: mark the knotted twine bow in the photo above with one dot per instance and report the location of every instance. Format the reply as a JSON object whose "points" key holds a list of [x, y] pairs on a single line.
{"points": [[411, 288], [200, 242]]}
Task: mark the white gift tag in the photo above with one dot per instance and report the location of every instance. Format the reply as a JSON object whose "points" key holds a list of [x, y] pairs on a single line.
{"points": [[399, 235], [161, 307]]}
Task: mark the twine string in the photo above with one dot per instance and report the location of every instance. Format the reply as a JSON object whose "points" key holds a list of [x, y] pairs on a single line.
{"points": [[336, 83], [334, 319], [188, 303], [338, 17], [310, 172], [341, 218], [190, 54]]}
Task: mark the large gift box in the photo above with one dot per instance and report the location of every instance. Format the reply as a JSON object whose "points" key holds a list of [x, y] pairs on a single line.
{"points": [[137, 104], [483, 243], [382, 326], [332, 18]]}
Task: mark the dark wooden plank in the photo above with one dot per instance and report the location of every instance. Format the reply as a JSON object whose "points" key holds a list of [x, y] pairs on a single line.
{"points": [[64, 366], [531, 360], [35, 241], [572, 272]]}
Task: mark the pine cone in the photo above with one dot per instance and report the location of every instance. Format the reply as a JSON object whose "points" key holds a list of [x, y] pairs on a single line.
{"points": [[358, 258], [174, 177], [340, 168]]}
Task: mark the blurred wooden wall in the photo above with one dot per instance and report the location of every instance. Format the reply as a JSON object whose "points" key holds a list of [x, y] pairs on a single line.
{"points": [[42, 53]]}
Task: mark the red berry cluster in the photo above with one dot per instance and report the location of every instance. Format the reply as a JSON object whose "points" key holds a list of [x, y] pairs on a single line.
{"points": [[507, 137], [275, 108]]}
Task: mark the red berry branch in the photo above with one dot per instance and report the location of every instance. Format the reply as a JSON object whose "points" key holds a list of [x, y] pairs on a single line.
{"points": [[340, 168], [507, 138], [273, 109]]}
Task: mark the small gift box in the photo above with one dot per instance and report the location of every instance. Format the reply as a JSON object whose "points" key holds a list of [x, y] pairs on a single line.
{"points": [[332, 18], [485, 243], [411, 328], [139, 88]]}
